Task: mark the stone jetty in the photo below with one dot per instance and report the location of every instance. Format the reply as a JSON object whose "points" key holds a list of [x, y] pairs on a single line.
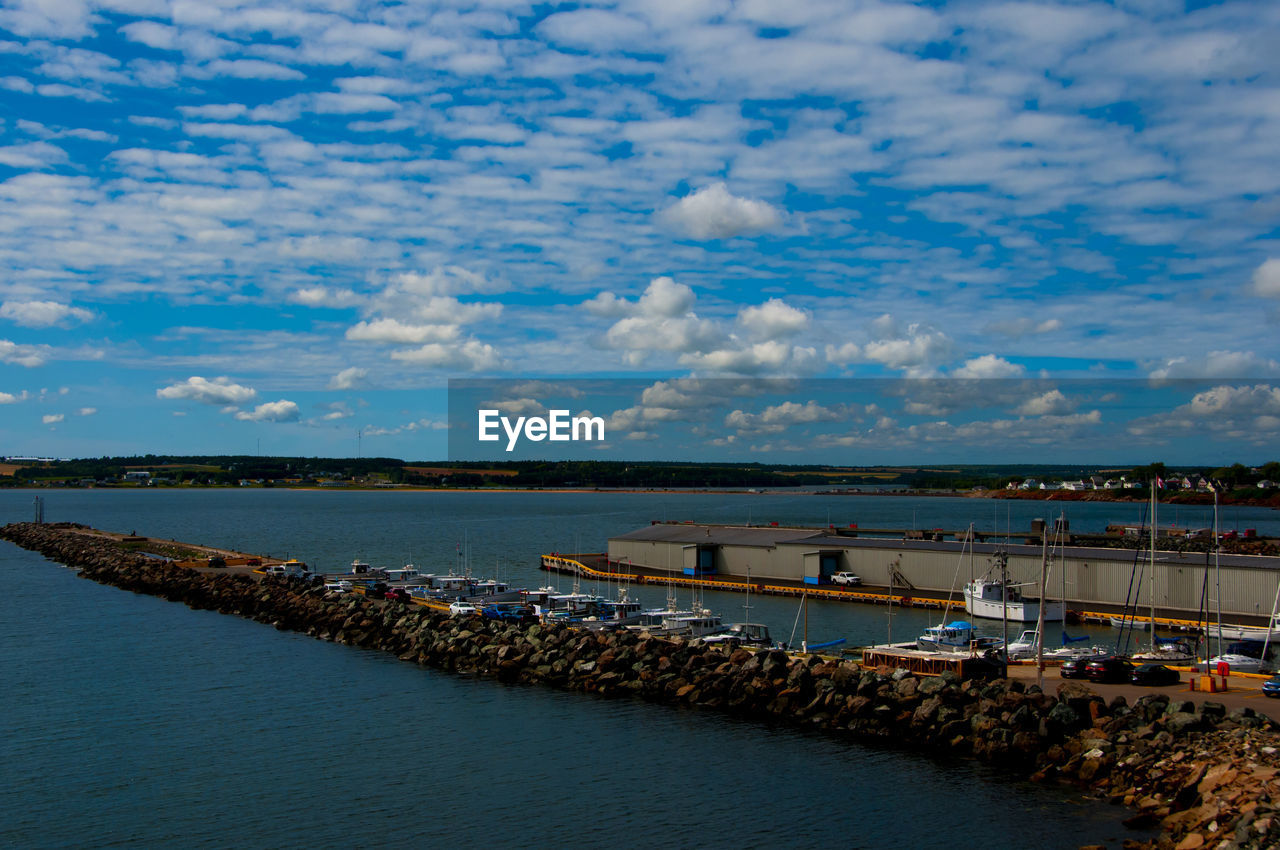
{"points": [[1197, 776]]}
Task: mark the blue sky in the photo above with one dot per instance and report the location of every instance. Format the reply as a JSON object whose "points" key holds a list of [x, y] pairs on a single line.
{"points": [[233, 225]]}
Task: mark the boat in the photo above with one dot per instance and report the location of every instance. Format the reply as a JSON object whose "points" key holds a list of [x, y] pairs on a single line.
{"points": [[1131, 624], [1237, 663], [1025, 646], [956, 636], [992, 598], [694, 624], [1174, 650], [746, 634], [614, 615]]}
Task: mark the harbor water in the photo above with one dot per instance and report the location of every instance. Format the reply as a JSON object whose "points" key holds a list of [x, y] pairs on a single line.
{"points": [[132, 721]]}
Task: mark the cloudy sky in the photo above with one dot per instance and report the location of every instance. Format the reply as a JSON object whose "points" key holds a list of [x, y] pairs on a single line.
{"points": [[235, 225]]}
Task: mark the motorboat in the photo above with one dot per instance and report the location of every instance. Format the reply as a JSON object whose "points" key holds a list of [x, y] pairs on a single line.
{"points": [[745, 634], [993, 599], [956, 636]]}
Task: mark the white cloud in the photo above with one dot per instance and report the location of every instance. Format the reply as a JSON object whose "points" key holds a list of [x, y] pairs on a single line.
{"points": [[348, 378], [323, 296], [1217, 364], [86, 411], [42, 314], [780, 417], [271, 411], [1052, 402], [1266, 279], [772, 356], [10, 398], [471, 356], [21, 355], [988, 366], [713, 213], [772, 319], [220, 390], [918, 348], [51, 418], [394, 331]]}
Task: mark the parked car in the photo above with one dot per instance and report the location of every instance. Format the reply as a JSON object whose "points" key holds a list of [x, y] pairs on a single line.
{"points": [[1073, 668], [459, 609], [1109, 669], [1154, 674], [396, 594], [1271, 687], [849, 579]]}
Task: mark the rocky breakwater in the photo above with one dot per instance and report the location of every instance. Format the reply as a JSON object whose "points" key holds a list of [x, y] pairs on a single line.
{"points": [[1202, 776]]}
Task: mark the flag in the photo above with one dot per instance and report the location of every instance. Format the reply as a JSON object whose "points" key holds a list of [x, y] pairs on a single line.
{"points": [[1159, 483]]}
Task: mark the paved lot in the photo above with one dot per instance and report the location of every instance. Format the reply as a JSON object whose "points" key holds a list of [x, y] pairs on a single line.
{"points": [[1240, 691]]}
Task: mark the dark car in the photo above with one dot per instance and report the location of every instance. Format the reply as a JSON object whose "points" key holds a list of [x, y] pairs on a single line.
{"points": [[1109, 669], [1074, 668], [1271, 687], [1155, 674]]}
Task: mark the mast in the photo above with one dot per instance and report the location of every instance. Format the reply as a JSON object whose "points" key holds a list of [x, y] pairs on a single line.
{"points": [[1044, 562], [1154, 479], [1003, 559], [1217, 566]]}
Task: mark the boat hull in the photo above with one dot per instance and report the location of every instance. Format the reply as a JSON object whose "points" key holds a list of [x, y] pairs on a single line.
{"points": [[1019, 612]]}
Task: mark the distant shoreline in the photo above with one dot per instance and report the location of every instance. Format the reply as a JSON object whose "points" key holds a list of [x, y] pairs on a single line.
{"points": [[1170, 498]]}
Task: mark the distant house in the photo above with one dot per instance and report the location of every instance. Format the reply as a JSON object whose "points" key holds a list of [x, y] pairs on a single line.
{"points": [[1030, 484], [1266, 484], [137, 476], [1074, 485]]}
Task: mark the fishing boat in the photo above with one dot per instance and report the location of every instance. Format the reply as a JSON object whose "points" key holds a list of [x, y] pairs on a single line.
{"points": [[956, 636], [992, 598], [1131, 624]]}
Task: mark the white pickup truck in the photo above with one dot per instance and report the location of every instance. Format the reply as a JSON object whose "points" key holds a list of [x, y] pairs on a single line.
{"points": [[849, 579]]}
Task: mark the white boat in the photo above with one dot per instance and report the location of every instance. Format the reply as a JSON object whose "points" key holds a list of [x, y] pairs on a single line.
{"points": [[1131, 624], [1024, 646], [1168, 651], [1237, 632], [1237, 663], [614, 615], [956, 636], [696, 624], [746, 634], [994, 600]]}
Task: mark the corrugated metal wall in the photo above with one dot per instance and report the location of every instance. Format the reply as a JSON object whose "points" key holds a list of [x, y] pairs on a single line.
{"points": [[1179, 585]]}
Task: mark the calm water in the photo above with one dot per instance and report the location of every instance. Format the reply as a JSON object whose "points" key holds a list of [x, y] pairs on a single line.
{"points": [[134, 721]]}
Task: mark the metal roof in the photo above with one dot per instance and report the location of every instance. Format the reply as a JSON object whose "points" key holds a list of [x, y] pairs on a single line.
{"points": [[769, 537], [721, 535]]}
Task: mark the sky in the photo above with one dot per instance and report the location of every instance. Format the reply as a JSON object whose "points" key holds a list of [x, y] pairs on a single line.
{"points": [[284, 227]]}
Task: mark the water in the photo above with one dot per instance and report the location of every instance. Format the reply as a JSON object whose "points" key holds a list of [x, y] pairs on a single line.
{"points": [[131, 721]]}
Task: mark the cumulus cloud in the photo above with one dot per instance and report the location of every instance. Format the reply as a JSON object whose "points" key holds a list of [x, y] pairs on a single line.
{"points": [[1047, 403], [21, 355], [1266, 279], [1023, 326], [52, 418], [780, 417], [348, 378], [989, 366], [772, 356], [1216, 364], [10, 398], [917, 349], [713, 213], [220, 391], [1246, 413], [42, 314], [324, 296], [395, 331], [772, 319], [470, 356], [271, 411], [86, 411]]}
